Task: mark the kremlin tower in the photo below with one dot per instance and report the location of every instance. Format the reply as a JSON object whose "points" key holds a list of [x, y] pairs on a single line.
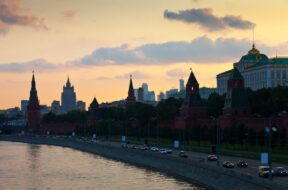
{"points": [[236, 102], [192, 105], [33, 108], [93, 112], [131, 99]]}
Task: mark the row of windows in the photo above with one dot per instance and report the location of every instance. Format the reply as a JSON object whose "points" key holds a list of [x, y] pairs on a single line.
{"points": [[278, 74], [255, 76]]}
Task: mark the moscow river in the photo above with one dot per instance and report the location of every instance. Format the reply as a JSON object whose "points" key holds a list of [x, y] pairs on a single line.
{"points": [[33, 167]]}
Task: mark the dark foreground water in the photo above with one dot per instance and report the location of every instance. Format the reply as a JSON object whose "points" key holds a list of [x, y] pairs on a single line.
{"points": [[25, 166]]}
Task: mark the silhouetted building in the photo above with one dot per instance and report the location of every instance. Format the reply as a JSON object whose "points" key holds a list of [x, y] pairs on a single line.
{"points": [[44, 109], [140, 94], [161, 97], [192, 111], [56, 107], [93, 112], [206, 92], [172, 93], [258, 70], [130, 100], [181, 85], [68, 97], [24, 104], [236, 102], [81, 105], [33, 108]]}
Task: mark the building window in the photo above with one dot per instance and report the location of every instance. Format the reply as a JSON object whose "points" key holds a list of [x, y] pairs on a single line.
{"points": [[278, 75], [272, 75], [284, 75]]}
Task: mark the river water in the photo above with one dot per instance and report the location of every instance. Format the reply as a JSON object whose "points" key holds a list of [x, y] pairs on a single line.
{"points": [[42, 167]]}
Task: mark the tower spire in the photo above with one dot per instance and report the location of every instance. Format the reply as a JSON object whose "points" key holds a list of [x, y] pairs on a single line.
{"points": [[253, 39], [131, 99]]}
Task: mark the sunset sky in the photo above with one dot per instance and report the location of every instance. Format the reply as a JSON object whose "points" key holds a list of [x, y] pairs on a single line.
{"points": [[99, 43]]}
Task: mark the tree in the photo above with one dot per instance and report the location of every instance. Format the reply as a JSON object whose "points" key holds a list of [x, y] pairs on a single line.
{"points": [[215, 104]]}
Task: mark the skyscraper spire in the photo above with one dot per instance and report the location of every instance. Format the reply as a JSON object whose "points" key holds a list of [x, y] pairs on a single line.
{"points": [[68, 82]]}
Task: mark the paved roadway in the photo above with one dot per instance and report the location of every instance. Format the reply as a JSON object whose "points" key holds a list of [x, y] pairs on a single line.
{"points": [[252, 168]]}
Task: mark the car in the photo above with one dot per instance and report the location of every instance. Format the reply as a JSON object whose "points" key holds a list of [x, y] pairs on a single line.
{"points": [[169, 151], [144, 148], [228, 164], [183, 154], [263, 171], [163, 151], [242, 164], [281, 171], [154, 149], [212, 158]]}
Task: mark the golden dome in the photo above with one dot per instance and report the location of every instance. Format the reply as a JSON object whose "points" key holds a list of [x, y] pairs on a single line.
{"points": [[253, 50]]}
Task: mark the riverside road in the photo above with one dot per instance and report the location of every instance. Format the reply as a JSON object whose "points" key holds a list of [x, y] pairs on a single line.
{"points": [[251, 170]]}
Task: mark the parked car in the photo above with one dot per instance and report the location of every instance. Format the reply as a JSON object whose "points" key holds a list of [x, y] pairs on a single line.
{"points": [[183, 154], [212, 158], [242, 164], [263, 171], [163, 151], [228, 164], [154, 149], [169, 151], [281, 171], [144, 148]]}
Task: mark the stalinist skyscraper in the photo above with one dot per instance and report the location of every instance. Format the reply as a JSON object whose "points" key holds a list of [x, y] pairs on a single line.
{"points": [[68, 97]]}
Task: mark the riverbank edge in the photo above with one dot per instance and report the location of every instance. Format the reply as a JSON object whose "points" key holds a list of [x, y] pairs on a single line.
{"points": [[195, 172]]}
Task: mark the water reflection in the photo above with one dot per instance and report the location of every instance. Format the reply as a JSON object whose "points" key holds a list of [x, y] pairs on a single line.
{"points": [[33, 154], [48, 167]]}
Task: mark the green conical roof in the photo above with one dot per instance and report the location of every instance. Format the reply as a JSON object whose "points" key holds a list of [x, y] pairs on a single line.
{"points": [[235, 74]]}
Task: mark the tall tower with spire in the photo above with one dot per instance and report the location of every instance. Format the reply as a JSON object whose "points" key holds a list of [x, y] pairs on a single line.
{"points": [[68, 97], [236, 102], [192, 111], [131, 99], [192, 99], [33, 108]]}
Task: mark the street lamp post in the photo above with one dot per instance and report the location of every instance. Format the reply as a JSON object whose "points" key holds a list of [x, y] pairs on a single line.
{"points": [[218, 136], [269, 130]]}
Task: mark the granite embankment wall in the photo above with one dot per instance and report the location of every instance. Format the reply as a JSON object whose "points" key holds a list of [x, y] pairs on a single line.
{"points": [[197, 172]]}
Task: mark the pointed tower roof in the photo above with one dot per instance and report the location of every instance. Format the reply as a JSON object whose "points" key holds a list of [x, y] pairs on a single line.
{"points": [[131, 88], [94, 104], [33, 91], [131, 99], [235, 74], [192, 79]]}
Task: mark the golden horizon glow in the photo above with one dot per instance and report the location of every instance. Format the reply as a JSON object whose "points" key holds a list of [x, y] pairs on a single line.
{"points": [[77, 28]]}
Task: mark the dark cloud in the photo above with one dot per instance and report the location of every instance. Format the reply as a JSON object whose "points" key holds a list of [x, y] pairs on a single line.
{"points": [[11, 15], [40, 65], [200, 50], [207, 20]]}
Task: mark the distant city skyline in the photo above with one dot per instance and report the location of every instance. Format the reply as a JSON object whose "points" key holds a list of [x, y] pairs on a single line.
{"points": [[155, 41]]}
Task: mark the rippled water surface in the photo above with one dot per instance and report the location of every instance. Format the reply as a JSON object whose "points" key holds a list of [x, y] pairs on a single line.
{"points": [[25, 166]]}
